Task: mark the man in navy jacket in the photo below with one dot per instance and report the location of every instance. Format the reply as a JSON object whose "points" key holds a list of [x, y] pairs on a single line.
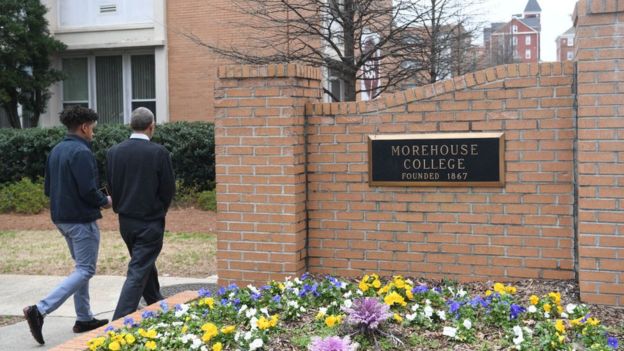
{"points": [[142, 184], [71, 182]]}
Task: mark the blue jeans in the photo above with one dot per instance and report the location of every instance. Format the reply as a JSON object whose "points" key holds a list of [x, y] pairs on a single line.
{"points": [[83, 240]]}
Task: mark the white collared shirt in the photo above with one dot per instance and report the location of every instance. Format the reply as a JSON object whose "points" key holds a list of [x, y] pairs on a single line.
{"points": [[139, 136]]}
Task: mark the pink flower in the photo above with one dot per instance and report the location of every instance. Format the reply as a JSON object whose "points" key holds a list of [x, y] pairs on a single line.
{"points": [[332, 343]]}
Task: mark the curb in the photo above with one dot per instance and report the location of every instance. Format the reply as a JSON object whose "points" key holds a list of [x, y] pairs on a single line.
{"points": [[79, 343]]}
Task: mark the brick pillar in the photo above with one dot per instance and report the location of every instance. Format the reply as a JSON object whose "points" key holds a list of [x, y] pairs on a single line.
{"points": [[600, 160], [260, 158]]}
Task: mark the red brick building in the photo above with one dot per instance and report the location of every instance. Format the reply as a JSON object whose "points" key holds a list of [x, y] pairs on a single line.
{"points": [[517, 40], [565, 46]]}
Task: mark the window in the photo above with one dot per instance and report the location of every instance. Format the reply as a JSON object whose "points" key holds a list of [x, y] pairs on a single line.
{"points": [[527, 40], [571, 42], [336, 86], [570, 55], [527, 54], [514, 28], [514, 41], [111, 85], [76, 85]]}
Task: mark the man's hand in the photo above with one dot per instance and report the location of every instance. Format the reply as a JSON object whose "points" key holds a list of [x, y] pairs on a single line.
{"points": [[109, 204]]}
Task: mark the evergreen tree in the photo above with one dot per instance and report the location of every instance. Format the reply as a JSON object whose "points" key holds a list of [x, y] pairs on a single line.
{"points": [[26, 48]]}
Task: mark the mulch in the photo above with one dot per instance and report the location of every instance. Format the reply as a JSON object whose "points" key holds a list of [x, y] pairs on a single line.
{"points": [[178, 220]]}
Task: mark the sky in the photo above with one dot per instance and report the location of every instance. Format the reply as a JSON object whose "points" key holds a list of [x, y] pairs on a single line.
{"points": [[556, 19]]}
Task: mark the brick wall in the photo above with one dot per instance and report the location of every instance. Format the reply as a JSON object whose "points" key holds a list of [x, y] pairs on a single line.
{"points": [[521, 230], [600, 55], [260, 158], [558, 216]]}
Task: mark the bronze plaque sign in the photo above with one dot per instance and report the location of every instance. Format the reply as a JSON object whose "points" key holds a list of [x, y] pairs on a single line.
{"points": [[441, 159]]}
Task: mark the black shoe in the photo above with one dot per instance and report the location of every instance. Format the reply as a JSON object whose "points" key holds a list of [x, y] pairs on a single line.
{"points": [[35, 322], [81, 327]]}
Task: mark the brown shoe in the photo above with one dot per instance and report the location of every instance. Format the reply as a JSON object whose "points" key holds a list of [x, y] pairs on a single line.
{"points": [[35, 322], [81, 327]]}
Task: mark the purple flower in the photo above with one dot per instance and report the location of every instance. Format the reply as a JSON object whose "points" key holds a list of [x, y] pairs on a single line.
{"points": [[178, 307], [305, 276], [478, 300], [515, 310], [129, 322], [612, 342], [277, 299], [256, 296], [368, 313], [332, 343], [421, 289], [111, 328], [163, 306], [204, 292], [148, 314], [454, 307]]}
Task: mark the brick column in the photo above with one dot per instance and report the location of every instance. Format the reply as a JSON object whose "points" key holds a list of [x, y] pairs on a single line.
{"points": [[600, 182], [260, 158]]}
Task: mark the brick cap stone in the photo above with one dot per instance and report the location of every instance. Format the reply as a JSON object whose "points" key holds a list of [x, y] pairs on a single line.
{"points": [[290, 70], [79, 343], [425, 92]]}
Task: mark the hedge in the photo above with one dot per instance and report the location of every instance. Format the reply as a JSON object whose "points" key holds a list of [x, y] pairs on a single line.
{"points": [[23, 152]]}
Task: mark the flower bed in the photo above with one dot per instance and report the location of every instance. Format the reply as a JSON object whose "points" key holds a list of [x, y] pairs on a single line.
{"points": [[329, 314]]}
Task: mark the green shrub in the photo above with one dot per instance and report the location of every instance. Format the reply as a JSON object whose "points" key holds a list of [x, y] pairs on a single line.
{"points": [[23, 197], [207, 200], [23, 152]]}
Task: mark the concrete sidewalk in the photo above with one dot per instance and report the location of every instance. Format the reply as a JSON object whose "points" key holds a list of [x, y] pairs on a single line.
{"points": [[18, 291]]}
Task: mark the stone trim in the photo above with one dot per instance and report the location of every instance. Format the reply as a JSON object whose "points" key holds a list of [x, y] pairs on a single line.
{"points": [[79, 343], [269, 71]]}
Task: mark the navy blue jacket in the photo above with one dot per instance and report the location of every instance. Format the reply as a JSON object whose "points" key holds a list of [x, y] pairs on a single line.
{"points": [[71, 182]]}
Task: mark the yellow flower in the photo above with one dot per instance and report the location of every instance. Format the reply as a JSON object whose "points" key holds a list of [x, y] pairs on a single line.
{"points": [[207, 301], [130, 339], [534, 299], [150, 345], [332, 320], [555, 296], [488, 292], [394, 298], [561, 338], [547, 307], [228, 329], [150, 334], [510, 289], [559, 309], [281, 286], [399, 282], [320, 315], [408, 292], [593, 321], [114, 346], [210, 331], [500, 288], [398, 318], [217, 347], [274, 319], [376, 283], [575, 322], [363, 286], [184, 329], [263, 323], [559, 326]]}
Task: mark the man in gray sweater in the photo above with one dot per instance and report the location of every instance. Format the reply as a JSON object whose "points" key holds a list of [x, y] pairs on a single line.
{"points": [[142, 184]]}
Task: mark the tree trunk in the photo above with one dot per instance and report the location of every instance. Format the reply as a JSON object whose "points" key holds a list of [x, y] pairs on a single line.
{"points": [[11, 110], [349, 51]]}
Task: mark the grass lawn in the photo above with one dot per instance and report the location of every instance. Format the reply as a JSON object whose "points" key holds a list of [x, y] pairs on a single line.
{"points": [[45, 252]]}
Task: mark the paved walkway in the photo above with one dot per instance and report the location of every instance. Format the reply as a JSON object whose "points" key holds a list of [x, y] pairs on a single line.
{"points": [[18, 291]]}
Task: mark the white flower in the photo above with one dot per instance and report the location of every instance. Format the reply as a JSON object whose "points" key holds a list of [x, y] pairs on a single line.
{"points": [[242, 309], [253, 289], [415, 307], [265, 310], [250, 312], [411, 317], [564, 315], [254, 324], [247, 335], [461, 293], [297, 281], [256, 344], [347, 294], [449, 331], [323, 311], [428, 311], [570, 308], [409, 282], [302, 309], [196, 343], [288, 284], [182, 311], [532, 309], [467, 324], [442, 315], [518, 340], [237, 336], [427, 302], [293, 303], [296, 291], [517, 330], [360, 292], [546, 314], [347, 303]]}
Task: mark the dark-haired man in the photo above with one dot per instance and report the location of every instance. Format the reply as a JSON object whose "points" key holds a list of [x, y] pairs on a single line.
{"points": [[71, 182], [140, 177]]}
